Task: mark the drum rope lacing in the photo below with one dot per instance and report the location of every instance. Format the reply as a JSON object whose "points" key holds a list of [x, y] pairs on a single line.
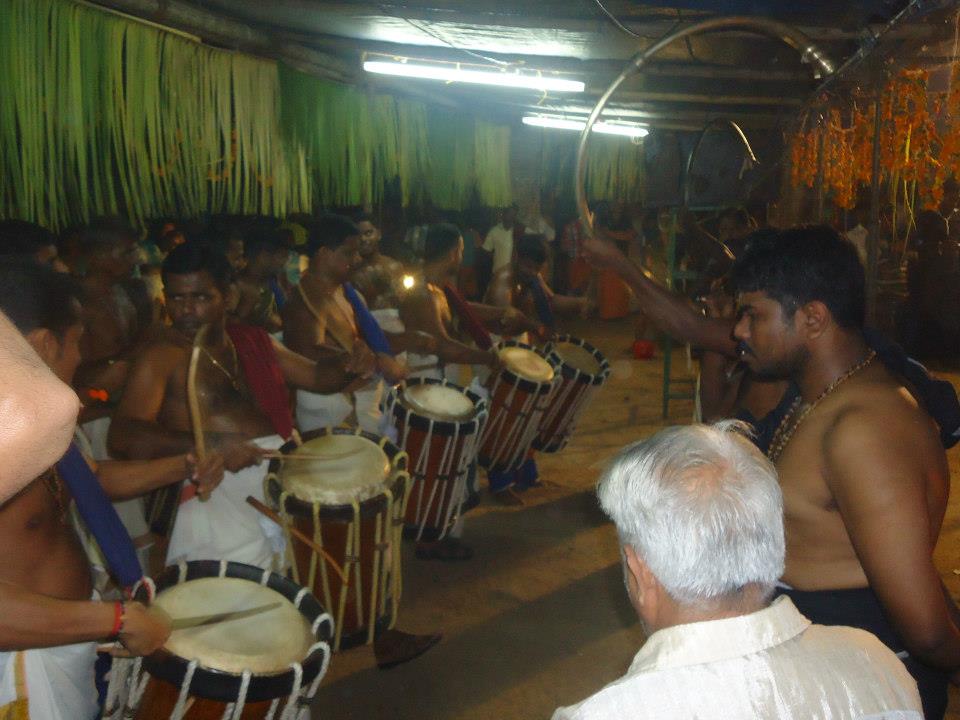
{"points": [[510, 442], [564, 407], [180, 707], [386, 572], [128, 676]]}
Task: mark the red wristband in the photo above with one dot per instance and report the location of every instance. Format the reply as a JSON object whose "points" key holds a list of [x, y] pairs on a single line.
{"points": [[118, 611]]}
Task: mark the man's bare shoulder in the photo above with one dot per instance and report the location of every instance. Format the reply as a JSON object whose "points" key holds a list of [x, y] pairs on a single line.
{"points": [[164, 348], [878, 415]]}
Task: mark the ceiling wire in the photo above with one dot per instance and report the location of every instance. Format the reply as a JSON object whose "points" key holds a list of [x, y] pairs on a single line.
{"points": [[615, 21]]}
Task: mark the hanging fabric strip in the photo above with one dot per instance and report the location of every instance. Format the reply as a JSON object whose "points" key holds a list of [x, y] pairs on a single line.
{"points": [[98, 513], [468, 319], [370, 329]]}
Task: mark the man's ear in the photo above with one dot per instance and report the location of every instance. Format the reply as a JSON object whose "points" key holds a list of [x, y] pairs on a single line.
{"points": [[46, 343], [813, 318], [637, 571]]}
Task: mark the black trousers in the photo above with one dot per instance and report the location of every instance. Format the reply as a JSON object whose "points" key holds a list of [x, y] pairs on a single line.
{"points": [[860, 608]]}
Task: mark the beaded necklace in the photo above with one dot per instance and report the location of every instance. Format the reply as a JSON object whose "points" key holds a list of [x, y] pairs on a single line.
{"points": [[799, 410]]}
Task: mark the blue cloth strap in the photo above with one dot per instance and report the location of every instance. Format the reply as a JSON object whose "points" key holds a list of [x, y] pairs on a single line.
{"points": [[370, 329], [98, 513], [542, 303]]}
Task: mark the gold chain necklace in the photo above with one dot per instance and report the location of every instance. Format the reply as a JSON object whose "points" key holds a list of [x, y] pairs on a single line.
{"points": [[798, 410], [233, 377]]}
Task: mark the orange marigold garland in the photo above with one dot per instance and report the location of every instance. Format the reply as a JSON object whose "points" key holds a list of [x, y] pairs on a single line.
{"points": [[919, 143]]}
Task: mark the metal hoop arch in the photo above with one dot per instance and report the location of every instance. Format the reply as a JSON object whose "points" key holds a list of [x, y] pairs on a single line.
{"points": [[715, 123], [810, 53]]}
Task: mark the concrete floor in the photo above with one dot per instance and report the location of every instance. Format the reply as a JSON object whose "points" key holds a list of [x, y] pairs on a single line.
{"points": [[539, 618]]}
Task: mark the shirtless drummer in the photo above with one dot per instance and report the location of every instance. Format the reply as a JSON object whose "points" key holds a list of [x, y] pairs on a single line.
{"points": [[377, 275], [154, 420], [50, 624], [864, 476]]}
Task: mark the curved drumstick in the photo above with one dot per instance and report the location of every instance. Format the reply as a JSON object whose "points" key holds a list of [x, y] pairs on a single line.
{"points": [[260, 507], [193, 401]]}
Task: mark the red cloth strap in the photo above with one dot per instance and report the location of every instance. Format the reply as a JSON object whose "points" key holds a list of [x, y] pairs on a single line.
{"points": [[468, 319], [264, 376]]}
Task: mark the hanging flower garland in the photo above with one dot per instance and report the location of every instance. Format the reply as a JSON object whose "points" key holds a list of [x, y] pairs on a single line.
{"points": [[919, 144]]}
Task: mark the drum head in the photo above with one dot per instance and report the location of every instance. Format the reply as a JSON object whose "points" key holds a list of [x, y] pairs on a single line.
{"points": [[341, 469], [438, 402], [578, 357], [526, 364], [264, 643]]}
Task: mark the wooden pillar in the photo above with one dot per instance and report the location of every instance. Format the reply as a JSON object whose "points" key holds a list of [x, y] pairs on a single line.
{"points": [[873, 238], [821, 191]]}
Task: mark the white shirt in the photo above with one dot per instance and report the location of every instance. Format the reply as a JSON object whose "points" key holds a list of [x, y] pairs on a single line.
{"points": [[499, 241], [770, 664], [539, 226]]}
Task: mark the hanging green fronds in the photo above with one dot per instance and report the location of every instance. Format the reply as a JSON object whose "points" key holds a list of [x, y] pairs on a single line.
{"points": [[103, 115], [356, 143], [614, 165]]}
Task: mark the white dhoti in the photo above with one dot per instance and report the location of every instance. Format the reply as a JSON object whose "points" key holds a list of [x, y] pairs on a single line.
{"points": [[58, 682], [226, 527], [316, 411]]}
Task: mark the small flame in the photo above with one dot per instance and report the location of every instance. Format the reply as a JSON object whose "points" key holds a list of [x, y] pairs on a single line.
{"points": [[408, 282]]}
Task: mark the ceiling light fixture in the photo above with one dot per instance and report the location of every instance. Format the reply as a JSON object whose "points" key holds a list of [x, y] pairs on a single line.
{"points": [[609, 128], [457, 73]]}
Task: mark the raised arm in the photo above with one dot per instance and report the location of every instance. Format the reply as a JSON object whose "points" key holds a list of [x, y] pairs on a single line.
{"points": [[330, 370], [38, 412], [507, 320], [877, 476], [669, 311], [123, 479], [420, 313]]}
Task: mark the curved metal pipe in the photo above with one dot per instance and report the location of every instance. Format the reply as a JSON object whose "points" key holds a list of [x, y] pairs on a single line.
{"points": [[763, 26], [696, 147]]}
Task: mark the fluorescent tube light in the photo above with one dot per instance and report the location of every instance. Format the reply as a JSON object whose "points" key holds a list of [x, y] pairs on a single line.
{"points": [[453, 73], [610, 128]]}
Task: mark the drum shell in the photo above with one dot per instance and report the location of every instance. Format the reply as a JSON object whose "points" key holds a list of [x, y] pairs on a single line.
{"points": [[160, 698], [574, 389], [429, 445], [212, 689], [516, 410], [333, 530]]}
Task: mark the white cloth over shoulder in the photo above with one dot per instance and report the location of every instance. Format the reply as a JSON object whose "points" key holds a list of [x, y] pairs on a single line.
{"points": [[226, 527], [60, 681], [770, 664]]}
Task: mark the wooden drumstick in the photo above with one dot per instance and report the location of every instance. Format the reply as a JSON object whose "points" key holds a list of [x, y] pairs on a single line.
{"points": [[259, 506], [193, 401], [303, 455]]}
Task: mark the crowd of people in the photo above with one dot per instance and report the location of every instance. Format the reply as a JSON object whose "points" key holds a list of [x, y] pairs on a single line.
{"points": [[735, 537]]}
